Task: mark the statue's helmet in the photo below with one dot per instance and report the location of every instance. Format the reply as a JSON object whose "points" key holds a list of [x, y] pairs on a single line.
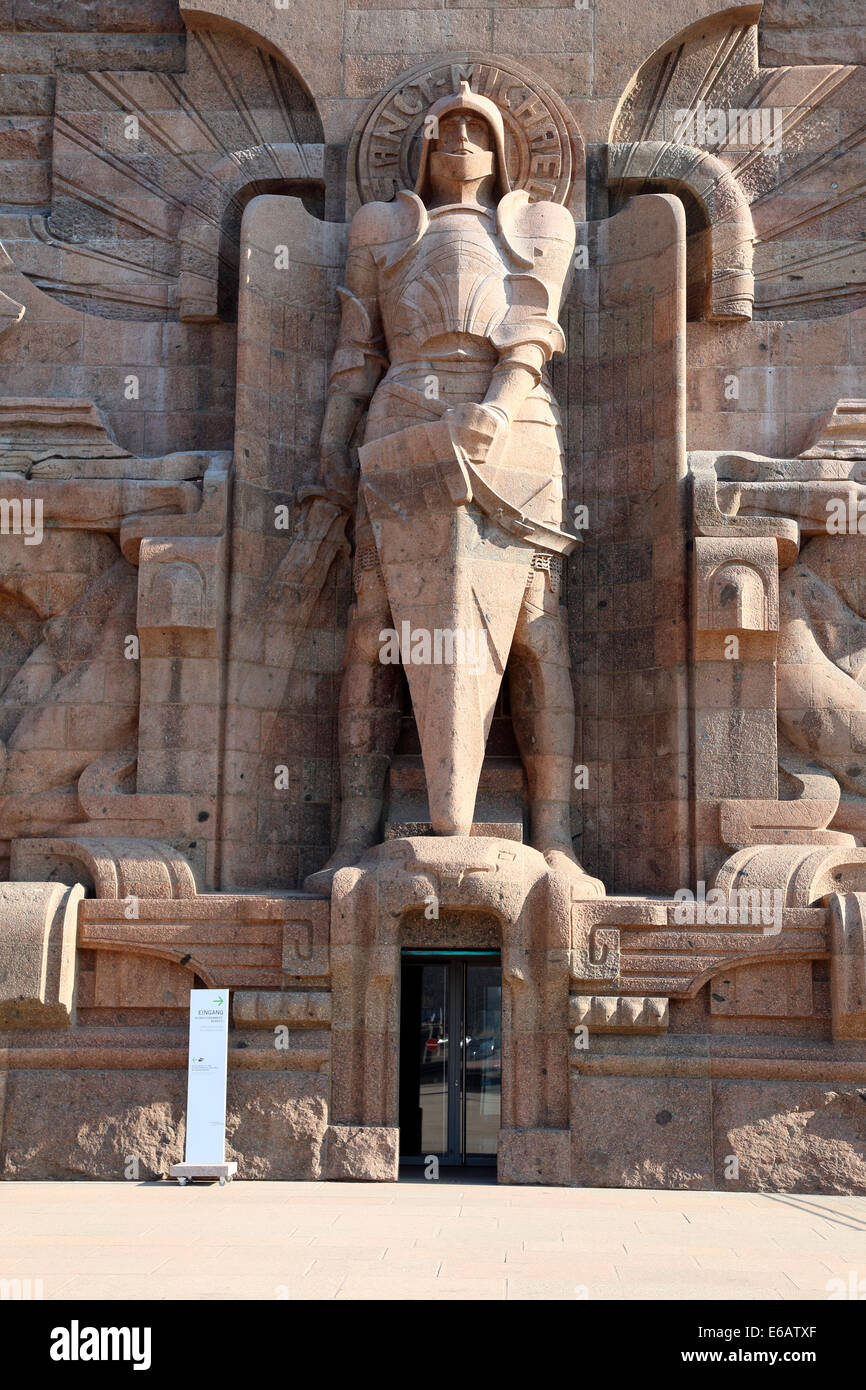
{"points": [[469, 101]]}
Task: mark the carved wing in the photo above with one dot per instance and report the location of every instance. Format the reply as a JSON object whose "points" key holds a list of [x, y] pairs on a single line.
{"points": [[772, 157], [288, 601], [622, 388]]}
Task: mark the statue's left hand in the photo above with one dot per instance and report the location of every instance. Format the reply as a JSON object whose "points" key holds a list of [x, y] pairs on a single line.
{"points": [[477, 429]]}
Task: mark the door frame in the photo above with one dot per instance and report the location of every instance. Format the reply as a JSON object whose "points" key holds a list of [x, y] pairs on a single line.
{"points": [[456, 959], [375, 905]]}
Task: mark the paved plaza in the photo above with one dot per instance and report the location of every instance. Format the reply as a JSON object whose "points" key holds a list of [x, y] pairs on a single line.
{"points": [[422, 1240]]}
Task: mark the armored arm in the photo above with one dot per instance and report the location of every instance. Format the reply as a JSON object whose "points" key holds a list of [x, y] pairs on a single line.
{"points": [[539, 241], [515, 374]]}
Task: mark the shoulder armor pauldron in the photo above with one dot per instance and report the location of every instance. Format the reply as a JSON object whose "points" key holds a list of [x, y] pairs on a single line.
{"points": [[389, 230]]}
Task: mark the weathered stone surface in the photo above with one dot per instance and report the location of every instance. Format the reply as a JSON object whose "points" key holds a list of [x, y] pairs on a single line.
{"points": [[534, 1156], [806, 1138], [361, 1153], [86, 1124], [82, 1124], [764, 991], [647, 1132], [276, 1125]]}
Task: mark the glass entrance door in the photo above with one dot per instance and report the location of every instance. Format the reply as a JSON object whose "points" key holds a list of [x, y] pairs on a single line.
{"points": [[450, 1055]]}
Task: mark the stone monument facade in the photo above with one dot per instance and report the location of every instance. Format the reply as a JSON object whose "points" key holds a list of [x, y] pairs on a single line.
{"points": [[432, 485]]}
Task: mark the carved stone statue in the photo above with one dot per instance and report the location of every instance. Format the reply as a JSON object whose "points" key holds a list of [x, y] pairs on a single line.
{"points": [[821, 657], [449, 318]]}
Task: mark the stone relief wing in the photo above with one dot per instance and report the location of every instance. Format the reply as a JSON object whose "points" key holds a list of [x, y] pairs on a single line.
{"points": [[621, 389], [288, 600], [150, 179], [288, 319], [772, 156]]}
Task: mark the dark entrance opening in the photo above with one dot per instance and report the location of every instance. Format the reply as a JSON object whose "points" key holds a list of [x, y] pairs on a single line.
{"points": [[450, 1056]]}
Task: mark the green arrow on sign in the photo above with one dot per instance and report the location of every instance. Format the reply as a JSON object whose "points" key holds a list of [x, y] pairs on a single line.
{"points": [[219, 1001]]}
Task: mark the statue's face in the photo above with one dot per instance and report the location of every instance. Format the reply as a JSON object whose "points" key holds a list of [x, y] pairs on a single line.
{"points": [[463, 133], [462, 151]]}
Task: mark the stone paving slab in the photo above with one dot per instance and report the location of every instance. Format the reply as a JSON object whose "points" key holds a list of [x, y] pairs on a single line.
{"points": [[287, 1241]]}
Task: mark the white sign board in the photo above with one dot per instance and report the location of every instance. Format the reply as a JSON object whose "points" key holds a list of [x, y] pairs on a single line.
{"points": [[206, 1086]]}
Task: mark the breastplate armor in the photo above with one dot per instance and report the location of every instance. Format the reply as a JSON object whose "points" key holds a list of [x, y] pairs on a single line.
{"points": [[452, 290], [448, 294]]}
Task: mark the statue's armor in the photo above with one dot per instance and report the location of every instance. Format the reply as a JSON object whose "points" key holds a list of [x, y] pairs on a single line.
{"points": [[440, 298]]}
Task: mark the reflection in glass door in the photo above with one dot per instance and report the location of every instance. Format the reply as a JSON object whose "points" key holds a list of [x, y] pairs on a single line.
{"points": [[450, 1055]]}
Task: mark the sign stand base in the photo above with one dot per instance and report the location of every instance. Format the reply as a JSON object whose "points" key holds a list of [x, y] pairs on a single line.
{"points": [[184, 1171]]}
